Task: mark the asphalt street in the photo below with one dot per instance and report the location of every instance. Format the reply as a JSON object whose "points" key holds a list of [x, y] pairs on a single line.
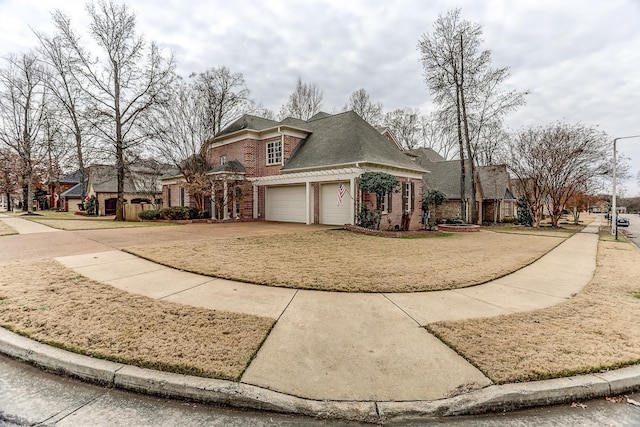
{"points": [[633, 231], [30, 396]]}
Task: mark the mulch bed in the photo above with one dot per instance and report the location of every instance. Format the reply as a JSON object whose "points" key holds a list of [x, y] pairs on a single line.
{"points": [[386, 233]]}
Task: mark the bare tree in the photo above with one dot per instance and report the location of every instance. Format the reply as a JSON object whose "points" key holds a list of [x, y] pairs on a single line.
{"points": [[360, 102], [10, 174], [179, 128], [405, 124], [22, 106], [225, 97], [553, 163], [124, 83], [56, 149], [304, 102], [574, 155], [64, 83], [525, 161], [465, 86], [439, 135]]}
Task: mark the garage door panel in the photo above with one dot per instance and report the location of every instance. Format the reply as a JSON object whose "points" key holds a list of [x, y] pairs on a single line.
{"points": [[287, 204], [330, 212]]}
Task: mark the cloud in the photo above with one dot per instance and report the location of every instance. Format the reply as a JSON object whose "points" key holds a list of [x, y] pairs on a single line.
{"points": [[578, 58]]}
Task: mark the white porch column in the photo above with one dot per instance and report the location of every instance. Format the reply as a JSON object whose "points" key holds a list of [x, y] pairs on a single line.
{"points": [[255, 202], [308, 202], [352, 205], [225, 198]]}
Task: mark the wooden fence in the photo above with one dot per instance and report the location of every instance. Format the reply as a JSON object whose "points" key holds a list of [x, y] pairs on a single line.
{"points": [[131, 210]]}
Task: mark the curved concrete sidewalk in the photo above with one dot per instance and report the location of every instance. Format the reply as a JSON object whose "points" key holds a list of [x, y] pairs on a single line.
{"points": [[359, 352], [363, 347], [23, 226]]}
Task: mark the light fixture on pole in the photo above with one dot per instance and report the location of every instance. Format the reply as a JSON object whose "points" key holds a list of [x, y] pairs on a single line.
{"points": [[614, 208]]}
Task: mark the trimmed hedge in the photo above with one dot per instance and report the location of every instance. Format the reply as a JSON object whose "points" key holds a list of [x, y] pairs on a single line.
{"points": [[149, 214]]}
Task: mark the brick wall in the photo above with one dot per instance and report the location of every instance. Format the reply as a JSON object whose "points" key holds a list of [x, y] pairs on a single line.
{"points": [[389, 220], [449, 209]]}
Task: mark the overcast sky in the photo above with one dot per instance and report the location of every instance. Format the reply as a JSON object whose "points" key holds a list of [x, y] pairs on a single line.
{"points": [[579, 59]]}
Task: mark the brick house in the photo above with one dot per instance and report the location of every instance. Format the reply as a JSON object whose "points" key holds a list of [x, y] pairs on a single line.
{"points": [[292, 170], [494, 194], [141, 185]]}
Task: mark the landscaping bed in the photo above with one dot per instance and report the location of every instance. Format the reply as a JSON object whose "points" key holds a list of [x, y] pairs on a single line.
{"points": [[339, 260]]}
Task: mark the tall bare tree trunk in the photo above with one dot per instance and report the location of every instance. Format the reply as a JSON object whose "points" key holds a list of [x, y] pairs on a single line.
{"points": [[465, 121], [463, 167]]}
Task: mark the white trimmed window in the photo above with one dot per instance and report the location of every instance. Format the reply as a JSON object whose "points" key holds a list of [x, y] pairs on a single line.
{"points": [[274, 152], [223, 160]]}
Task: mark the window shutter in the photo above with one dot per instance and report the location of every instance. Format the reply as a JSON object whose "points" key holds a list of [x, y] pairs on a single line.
{"points": [[413, 196], [389, 201], [378, 207], [404, 196]]}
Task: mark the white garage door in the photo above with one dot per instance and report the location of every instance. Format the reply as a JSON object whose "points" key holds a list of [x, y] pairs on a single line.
{"points": [[286, 204], [330, 212]]}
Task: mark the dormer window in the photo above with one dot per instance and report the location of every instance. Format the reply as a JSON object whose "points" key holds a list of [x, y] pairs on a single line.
{"points": [[274, 152]]}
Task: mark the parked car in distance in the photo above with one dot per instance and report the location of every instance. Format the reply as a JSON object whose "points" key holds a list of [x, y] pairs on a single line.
{"points": [[622, 222]]}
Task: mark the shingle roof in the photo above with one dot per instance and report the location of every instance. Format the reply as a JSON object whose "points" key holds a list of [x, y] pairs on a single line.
{"points": [[231, 166], [344, 139], [104, 179], [445, 176], [75, 191], [495, 182], [421, 154], [247, 121]]}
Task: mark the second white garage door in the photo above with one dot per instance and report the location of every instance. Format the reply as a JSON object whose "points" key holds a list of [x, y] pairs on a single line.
{"points": [[286, 203], [330, 212]]}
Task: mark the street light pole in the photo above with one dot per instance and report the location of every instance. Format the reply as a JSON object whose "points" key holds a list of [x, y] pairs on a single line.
{"points": [[614, 208]]}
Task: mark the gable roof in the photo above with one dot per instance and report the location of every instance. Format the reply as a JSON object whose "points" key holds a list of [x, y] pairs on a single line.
{"points": [[103, 178], [73, 192], [423, 153], [445, 176], [345, 139], [494, 180]]}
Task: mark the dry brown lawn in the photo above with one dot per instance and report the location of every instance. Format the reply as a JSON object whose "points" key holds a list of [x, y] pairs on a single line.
{"points": [[49, 303], [339, 260], [5, 230], [596, 330]]}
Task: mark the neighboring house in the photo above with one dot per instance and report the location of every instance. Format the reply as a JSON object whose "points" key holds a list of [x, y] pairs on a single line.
{"points": [[293, 171], [498, 200], [494, 194], [141, 185], [60, 186]]}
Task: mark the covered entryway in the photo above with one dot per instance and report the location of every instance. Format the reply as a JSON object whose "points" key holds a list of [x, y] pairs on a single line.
{"points": [[286, 203], [330, 212]]}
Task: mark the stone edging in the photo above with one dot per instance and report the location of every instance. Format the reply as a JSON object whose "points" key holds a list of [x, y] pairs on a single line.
{"points": [[490, 399]]}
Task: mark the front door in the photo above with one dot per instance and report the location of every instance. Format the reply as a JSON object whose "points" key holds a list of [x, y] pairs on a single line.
{"points": [[110, 206]]}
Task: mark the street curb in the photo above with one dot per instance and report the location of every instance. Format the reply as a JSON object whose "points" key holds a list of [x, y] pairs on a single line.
{"points": [[495, 398]]}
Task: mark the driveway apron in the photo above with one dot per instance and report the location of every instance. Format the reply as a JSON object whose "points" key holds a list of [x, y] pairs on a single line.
{"points": [[342, 346]]}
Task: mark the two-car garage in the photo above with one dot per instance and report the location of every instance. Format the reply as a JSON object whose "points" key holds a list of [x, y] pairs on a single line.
{"points": [[288, 203]]}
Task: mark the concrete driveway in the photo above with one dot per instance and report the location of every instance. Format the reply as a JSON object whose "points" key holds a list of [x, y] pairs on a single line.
{"points": [[37, 241]]}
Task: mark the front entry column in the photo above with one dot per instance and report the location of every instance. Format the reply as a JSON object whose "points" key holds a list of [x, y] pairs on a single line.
{"points": [[308, 202], [352, 205], [225, 200], [255, 202]]}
